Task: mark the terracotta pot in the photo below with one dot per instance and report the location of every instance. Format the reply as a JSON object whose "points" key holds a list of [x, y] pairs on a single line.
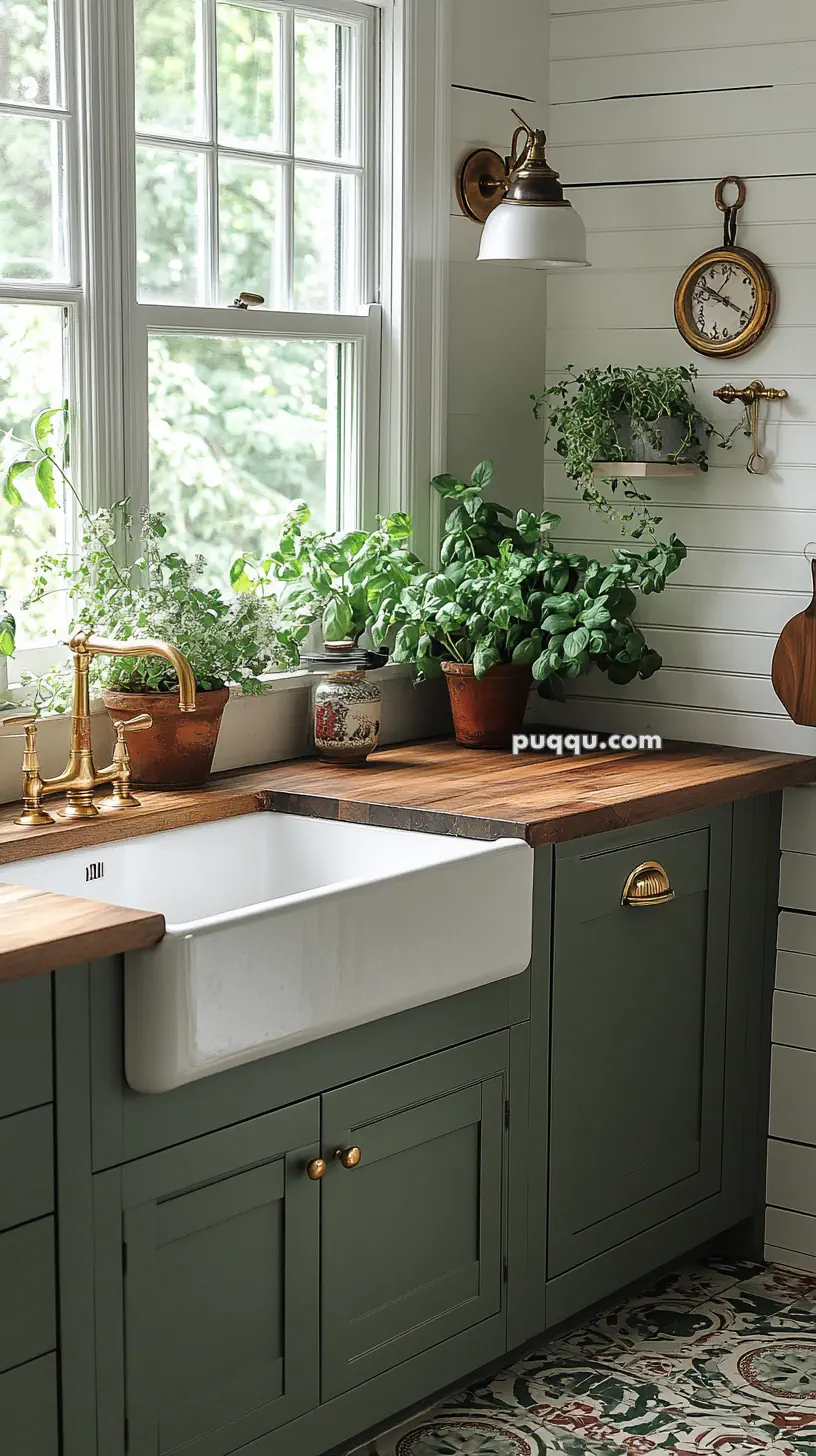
{"points": [[177, 752], [487, 711]]}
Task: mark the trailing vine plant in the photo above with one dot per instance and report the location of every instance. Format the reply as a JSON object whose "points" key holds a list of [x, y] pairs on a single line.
{"points": [[585, 411]]}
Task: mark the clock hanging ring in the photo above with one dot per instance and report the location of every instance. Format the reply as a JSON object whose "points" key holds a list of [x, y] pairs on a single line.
{"points": [[727, 297]]}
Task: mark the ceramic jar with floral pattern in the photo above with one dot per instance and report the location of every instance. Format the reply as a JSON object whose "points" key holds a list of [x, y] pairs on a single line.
{"points": [[347, 717]]}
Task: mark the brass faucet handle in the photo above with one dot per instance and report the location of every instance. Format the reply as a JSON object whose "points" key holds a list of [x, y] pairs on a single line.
{"points": [[121, 797], [133, 725], [28, 721], [33, 815]]}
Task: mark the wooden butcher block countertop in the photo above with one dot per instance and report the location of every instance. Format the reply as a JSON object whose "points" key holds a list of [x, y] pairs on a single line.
{"points": [[434, 787]]}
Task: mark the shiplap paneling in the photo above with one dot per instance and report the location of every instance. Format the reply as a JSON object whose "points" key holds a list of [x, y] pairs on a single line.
{"points": [[497, 318], [650, 104]]}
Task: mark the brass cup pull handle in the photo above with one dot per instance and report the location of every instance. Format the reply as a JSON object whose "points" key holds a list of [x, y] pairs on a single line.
{"points": [[316, 1169], [648, 885], [348, 1157]]}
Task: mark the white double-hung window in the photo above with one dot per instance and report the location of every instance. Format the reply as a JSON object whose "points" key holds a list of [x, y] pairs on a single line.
{"points": [[162, 161], [253, 173]]}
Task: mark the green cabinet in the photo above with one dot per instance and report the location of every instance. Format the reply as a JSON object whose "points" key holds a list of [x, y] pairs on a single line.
{"points": [[412, 1233], [238, 1291], [637, 1040], [220, 1287], [229, 1279]]}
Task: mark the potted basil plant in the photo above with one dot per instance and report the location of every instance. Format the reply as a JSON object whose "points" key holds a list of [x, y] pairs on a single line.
{"points": [[506, 608]]}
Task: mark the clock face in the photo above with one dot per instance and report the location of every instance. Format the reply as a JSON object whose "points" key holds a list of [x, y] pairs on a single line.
{"points": [[723, 301]]}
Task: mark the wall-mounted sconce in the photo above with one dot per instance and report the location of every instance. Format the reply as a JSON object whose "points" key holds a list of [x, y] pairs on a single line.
{"points": [[750, 397], [527, 219]]}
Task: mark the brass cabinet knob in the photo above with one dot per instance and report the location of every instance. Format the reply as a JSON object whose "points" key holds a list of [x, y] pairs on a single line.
{"points": [[316, 1169], [349, 1157], [648, 885]]}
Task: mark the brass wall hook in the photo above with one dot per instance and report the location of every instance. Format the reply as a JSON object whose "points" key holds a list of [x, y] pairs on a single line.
{"points": [[751, 398]]}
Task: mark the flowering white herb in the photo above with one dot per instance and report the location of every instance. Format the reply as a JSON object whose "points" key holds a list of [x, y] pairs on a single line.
{"points": [[226, 640]]}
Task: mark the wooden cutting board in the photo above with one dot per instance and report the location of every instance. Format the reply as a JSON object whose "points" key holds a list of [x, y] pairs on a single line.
{"points": [[793, 672]]}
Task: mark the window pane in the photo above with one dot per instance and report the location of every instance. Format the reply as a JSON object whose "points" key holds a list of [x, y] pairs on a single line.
{"points": [[27, 58], [31, 380], [169, 95], [30, 198], [238, 429], [326, 252], [249, 77], [250, 211], [169, 186], [325, 121]]}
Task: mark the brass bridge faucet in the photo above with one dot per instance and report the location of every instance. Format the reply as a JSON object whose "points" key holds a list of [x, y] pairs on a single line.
{"points": [[80, 776], [750, 397]]}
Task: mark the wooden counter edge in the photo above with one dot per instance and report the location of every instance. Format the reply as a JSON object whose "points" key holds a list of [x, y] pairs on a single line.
{"points": [[41, 931], [593, 817]]}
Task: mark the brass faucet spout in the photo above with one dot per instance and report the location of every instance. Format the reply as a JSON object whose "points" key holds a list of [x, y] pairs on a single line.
{"points": [[143, 647]]}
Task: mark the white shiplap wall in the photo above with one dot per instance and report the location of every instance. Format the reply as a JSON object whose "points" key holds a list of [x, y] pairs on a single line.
{"points": [[652, 103], [497, 314]]}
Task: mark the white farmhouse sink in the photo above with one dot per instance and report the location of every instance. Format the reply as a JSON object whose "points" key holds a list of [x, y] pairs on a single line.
{"points": [[281, 929]]}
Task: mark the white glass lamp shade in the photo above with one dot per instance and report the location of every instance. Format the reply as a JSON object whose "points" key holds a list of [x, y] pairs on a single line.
{"points": [[534, 235]]}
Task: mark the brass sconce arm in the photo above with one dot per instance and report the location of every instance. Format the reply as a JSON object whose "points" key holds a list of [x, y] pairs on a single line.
{"points": [[751, 398]]}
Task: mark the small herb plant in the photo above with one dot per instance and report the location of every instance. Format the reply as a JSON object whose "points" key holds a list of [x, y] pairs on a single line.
{"points": [[584, 412], [337, 578], [226, 641], [505, 593]]}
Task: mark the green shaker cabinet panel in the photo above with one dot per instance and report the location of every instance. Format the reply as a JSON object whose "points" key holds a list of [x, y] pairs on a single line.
{"points": [[25, 1044], [29, 1419], [28, 1300], [221, 1287], [412, 1235], [637, 1040]]}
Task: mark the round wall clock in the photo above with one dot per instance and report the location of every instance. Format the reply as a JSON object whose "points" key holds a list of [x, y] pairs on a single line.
{"points": [[726, 299]]}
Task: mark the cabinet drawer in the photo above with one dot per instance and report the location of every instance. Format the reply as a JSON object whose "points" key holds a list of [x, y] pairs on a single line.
{"points": [[27, 1163], [28, 1302], [797, 881], [25, 1044], [794, 1020], [793, 1094], [28, 1409], [796, 953], [791, 1176], [638, 1038]]}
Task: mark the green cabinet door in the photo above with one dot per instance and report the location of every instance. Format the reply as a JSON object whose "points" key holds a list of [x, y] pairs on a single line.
{"points": [[220, 1305], [412, 1234], [638, 1036]]}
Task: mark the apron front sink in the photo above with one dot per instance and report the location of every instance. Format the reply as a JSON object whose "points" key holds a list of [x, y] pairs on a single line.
{"points": [[282, 929]]}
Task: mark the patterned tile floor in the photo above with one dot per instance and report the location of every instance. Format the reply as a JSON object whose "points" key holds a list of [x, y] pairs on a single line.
{"points": [[716, 1358]]}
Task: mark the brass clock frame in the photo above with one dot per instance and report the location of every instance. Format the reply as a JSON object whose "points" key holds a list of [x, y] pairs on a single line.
{"points": [[759, 274]]}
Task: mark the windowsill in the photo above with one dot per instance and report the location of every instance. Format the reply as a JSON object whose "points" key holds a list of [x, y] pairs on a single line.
{"points": [[295, 680], [267, 727]]}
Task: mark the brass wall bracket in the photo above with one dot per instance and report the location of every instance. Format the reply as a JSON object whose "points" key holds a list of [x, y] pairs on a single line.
{"points": [[751, 397]]}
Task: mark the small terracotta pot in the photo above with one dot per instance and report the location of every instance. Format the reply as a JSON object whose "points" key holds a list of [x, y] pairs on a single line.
{"points": [[487, 711], [177, 752]]}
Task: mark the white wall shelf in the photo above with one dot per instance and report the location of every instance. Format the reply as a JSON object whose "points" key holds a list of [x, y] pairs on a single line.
{"points": [[641, 469]]}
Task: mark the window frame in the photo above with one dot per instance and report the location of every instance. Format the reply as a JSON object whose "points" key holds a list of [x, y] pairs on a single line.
{"points": [[401, 376], [70, 294], [358, 501]]}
